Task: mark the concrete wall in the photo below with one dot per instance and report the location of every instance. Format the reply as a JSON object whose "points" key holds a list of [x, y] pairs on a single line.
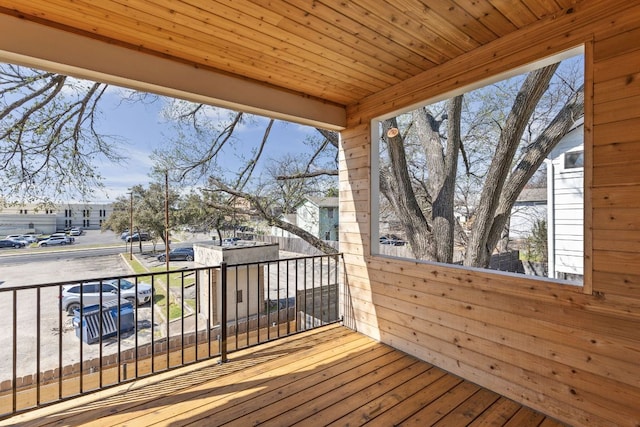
{"points": [[245, 283]]}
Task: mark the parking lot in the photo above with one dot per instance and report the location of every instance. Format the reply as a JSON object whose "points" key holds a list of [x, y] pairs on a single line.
{"points": [[92, 256], [76, 262]]}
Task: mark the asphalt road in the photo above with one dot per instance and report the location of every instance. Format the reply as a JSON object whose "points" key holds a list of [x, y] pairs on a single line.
{"points": [[93, 255]]}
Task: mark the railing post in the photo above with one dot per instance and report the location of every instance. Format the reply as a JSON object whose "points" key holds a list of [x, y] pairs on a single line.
{"points": [[223, 313]]}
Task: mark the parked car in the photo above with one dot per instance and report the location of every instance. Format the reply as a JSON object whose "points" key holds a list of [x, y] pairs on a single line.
{"points": [[135, 237], [10, 243], [71, 239], [392, 240], [178, 254], [91, 291], [75, 232], [27, 238], [56, 240]]}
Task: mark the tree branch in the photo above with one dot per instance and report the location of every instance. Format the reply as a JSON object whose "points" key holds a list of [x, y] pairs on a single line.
{"points": [[271, 219], [321, 172]]}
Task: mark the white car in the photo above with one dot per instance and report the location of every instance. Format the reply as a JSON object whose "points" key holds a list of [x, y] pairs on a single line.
{"points": [[55, 240], [91, 292], [27, 238]]}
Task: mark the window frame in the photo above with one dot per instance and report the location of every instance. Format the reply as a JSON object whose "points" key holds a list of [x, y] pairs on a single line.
{"points": [[586, 50]]}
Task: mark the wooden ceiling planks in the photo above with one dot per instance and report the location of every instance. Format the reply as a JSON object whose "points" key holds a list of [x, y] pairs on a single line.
{"points": [[341, 51], [515, 11]]}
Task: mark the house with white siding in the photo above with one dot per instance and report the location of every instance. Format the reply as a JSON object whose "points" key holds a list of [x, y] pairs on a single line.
{"points": [[319, 216], [565, 214]]}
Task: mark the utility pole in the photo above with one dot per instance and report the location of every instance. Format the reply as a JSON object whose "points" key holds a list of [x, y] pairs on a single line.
{"points": [[166, 216], [130, 225]]}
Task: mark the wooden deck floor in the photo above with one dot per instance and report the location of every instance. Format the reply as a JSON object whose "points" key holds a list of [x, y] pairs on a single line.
{"points": [[330, 376]]}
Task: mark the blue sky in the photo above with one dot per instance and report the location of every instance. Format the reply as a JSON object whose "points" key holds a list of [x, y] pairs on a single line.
{"points": [[142, 129]]}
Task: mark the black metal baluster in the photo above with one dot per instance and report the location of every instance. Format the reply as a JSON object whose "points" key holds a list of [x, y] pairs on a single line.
{"points": [[168, 331], [223, 314], [137, 327], [236, 306], [197, 305], [15, 351], [268, 301], [278, 303], [60, 343], [182, 318], [153, 325], [38, 316], [247, 298], [304, 311]]}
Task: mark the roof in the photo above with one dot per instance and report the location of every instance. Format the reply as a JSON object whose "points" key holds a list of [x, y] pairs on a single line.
{"points": [[533, 195], [319, 57], [324, 202]]}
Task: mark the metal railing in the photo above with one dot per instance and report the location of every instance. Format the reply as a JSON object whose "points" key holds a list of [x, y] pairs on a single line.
{"points": [[51, 350]]}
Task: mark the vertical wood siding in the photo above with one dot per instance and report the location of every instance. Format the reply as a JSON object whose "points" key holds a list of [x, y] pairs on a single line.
{"points": [[572, 354]]}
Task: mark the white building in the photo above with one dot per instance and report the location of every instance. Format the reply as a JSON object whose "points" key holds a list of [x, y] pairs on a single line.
{"points": [[33, 218], [316, 215], [565, 199], [319, 216], [530, 207]]}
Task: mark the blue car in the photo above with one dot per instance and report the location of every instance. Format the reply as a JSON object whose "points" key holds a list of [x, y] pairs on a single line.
{"points": [[9, 243]]}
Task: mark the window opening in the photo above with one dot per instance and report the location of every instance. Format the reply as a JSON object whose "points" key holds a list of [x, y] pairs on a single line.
{"points": [[473, 181]]}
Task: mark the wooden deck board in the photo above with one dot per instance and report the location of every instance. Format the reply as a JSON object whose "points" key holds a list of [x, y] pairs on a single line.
{"points": [[330, 376]]}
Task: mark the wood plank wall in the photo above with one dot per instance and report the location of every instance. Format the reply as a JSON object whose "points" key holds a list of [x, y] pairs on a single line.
{"points": [[571, 353]]}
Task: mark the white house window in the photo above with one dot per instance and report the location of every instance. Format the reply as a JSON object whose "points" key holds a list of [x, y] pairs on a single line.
{"points": [[574, 160]]}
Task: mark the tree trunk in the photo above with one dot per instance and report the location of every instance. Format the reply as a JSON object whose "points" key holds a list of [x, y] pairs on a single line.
{"points": [[532, 160], [479, 251], [395, 184], [442, 164]]}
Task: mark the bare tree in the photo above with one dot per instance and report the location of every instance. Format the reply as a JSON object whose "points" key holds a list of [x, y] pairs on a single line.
{"points": [[262, 207], [49, 138], [274, 186], [429, 220]]}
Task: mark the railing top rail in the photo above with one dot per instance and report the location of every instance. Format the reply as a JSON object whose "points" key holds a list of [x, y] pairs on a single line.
{"points": [[300, 258], [106, 278], [157, 273]]}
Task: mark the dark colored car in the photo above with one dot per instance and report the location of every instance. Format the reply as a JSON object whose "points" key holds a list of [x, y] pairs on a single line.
{"points": [[178, 254], [392, 240], [137, 237], [8, 243]]}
